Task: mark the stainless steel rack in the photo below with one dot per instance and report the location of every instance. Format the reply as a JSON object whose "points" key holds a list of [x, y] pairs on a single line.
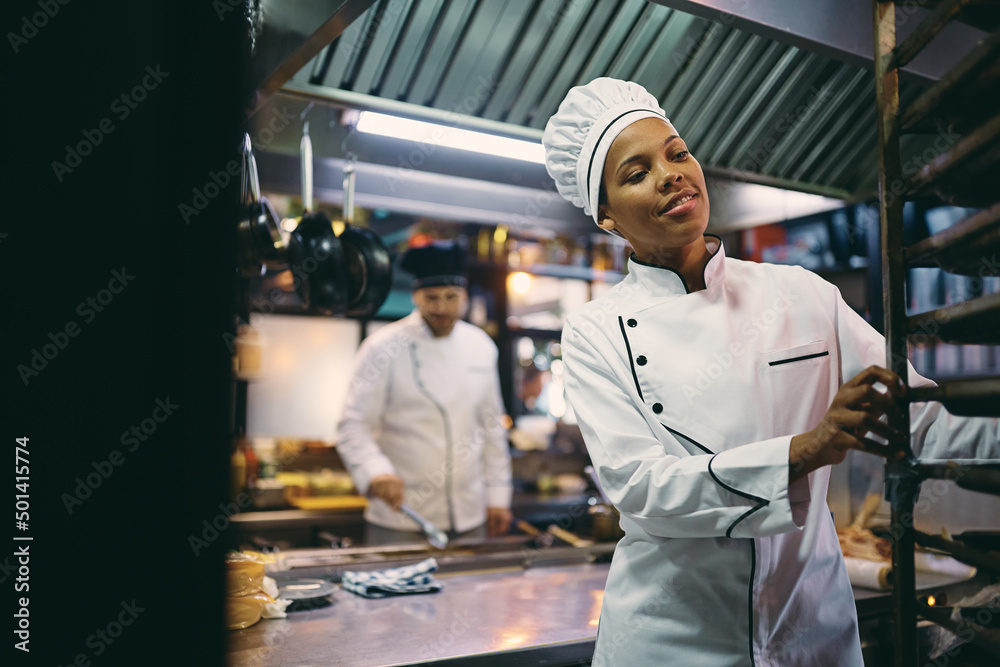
{"points": [[962, 104]]}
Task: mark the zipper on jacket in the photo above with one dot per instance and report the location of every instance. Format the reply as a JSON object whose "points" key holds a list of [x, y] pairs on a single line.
{"points": [[447, 436]]}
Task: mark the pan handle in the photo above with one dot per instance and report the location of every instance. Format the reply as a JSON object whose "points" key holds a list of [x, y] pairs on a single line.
{"points": [[349, 189], [250, 190], [306, 165]]}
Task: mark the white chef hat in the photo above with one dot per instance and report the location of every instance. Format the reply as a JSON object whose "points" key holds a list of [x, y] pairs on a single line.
{"points": [[577, 138]]}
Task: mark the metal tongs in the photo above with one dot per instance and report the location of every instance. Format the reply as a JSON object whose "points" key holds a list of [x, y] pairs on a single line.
{"points": [[435, 536]]}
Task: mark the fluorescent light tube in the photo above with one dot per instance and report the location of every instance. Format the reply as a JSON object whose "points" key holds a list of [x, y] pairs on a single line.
{"points": [[451, 137]]}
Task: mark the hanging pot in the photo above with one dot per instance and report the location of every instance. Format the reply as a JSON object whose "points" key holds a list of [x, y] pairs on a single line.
{"points": [[315, 254], [369, 271], [316, 259], [368, 265], [260, 242]]}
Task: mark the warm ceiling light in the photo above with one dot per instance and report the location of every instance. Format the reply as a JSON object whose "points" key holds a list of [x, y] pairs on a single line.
{"points": [[520, 282], [452, 137]]}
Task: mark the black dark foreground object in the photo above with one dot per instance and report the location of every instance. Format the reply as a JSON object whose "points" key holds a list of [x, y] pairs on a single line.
{"points": [[119, 263]]}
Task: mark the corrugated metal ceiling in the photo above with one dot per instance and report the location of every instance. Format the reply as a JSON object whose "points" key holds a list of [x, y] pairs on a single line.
{"points": [[744, 103]]}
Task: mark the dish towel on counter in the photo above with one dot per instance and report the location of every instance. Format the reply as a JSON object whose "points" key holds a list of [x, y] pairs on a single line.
{"points": [[404, 580]]}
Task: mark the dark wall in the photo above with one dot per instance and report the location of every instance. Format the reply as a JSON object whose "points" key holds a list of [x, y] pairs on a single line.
{"points": [[117, 305]]}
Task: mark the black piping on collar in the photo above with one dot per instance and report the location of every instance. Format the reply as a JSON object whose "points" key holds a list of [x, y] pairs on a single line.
{"points": [[590, 165], [675, 271]]}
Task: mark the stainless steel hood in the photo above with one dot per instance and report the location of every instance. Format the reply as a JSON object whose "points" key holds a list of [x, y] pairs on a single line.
{"points": [[768, 93]]}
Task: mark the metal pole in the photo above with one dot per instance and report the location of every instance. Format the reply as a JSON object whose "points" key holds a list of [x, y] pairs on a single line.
{"points": [[902, 485]]}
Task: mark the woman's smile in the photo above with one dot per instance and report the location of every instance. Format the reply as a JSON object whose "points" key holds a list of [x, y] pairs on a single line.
{"points": [[681, 204]]}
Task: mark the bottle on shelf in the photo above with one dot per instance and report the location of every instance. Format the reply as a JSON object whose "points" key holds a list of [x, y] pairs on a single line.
{"points": [[237, 471]]}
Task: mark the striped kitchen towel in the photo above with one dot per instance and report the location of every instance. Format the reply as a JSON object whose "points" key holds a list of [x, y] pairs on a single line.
{"points": [[415, 578]]}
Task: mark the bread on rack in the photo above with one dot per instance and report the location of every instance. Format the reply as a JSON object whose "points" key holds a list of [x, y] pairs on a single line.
{"points": [[856, 541]]}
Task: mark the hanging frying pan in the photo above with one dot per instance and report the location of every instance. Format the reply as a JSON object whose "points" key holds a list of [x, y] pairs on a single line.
{"points": [[368, 265], [316, 259], [315, 254], [369, 271], [260, 242]]}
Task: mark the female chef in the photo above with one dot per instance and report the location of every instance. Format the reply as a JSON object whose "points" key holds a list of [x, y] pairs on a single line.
{"points": [[712, 394]]}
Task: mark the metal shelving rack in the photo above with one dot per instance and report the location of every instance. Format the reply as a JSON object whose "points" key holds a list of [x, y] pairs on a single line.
{"points": [[960, 101]]}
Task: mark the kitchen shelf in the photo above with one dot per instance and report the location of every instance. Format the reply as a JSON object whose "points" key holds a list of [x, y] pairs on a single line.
{"points": [[942, 616], [535, 333], [570, 271], [960, 552], [976, 321], [978, 397], [982, 478], [965, 173], [925, 32], [962, 248], [960, 159], [943, 94]]}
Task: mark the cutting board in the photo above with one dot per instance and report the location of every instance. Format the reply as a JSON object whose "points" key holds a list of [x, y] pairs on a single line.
{"points": [[330, 503]]}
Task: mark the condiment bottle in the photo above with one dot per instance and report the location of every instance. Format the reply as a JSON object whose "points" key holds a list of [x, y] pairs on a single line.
{"points": [[250, 461], [238, 472]]}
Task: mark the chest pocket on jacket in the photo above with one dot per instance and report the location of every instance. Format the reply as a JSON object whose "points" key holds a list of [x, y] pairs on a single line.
{"points": [[797, 382]]}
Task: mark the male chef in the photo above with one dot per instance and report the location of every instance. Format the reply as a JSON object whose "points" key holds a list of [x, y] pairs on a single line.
{"points": [[422, 423]]}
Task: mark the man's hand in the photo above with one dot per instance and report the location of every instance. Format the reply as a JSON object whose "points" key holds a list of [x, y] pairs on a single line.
{"points": [[387, 487], [498, 521], [855, 411]]}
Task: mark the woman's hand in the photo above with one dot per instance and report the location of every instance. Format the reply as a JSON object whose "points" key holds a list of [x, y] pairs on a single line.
{"points": [[389, 488], [856, 411]]}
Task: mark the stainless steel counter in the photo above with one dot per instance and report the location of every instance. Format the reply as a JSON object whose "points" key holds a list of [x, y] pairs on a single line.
{"points": [[502, 604], [512, 614]]}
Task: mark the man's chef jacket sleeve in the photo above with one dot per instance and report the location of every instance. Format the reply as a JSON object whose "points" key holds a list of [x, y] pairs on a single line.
{"points": [[657, 483], [365, 404], [938, 435], [496, 453]]}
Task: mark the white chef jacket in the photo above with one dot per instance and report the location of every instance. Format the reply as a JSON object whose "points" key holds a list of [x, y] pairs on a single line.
{"points": [[429, 410], [688, 403]]}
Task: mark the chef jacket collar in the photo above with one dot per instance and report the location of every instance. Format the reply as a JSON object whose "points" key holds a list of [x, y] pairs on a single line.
{"points": [[416, 322], [666, 281], [419, 325]]}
